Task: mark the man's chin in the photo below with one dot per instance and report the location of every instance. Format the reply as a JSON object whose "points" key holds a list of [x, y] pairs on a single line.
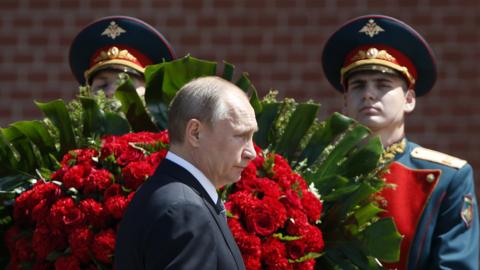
{"points": [[372, 123]]}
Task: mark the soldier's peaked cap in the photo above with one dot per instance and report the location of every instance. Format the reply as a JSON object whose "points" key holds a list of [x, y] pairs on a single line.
{"points": [[117, 40], [382, 43]]}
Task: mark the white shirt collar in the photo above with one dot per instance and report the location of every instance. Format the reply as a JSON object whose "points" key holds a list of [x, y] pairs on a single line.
{"points": [[201, 178]]}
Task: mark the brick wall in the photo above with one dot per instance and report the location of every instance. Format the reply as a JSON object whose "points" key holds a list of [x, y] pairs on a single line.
{"points": [[278, 42]]}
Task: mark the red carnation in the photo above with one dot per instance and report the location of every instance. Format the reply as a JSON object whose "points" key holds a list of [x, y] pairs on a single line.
{"points": [[155, 158], [64, 214], [248, 243], [45, 241], [297, 224], [97, 181], [135, 173], [67, 263], [86, 156], [23, 249], [296, 248], [94, 212], [128, 155], [103, 246], [116, 206], [80, 241], [74, 177], [306, 265], [252, 263], [265, 217], [312, 205], [274, 255], [112, 190]]}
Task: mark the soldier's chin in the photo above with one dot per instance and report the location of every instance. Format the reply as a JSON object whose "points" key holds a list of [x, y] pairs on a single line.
{"points": [[371, 122]]}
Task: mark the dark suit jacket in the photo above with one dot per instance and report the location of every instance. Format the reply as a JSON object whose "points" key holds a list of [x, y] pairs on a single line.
{"points": [[172, 223]]}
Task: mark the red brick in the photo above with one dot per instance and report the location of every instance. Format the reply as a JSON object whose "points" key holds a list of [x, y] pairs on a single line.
{"points": [[239, 21], [66, 76], [313, 39], [130, 4], [38, 39], [221, 39], [69, 4], [254, 4], [282, 39], [188, 40], [266, 57], [207, 21], [380, 4], [22, 22], [21, 95], [297, 57], [192, 4], [38, 76], [55, 58], [5, 113], [452, 19], [176, 22], [39, 4], [315, 4], [9, 4], [285, 3], [50, 94], [251, 40], [8, 76], [235, 58], [468, 37], [22, 58], [421, 19], [8, 39], [161, 4], [52, 22], [311, 75], [281, 76], [297, 20], [100, 4], [266, 21], [223, 4]]}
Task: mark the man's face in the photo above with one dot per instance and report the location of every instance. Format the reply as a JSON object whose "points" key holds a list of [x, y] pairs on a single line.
{"points": [[227, 147], [107, 80], [378, 100]]}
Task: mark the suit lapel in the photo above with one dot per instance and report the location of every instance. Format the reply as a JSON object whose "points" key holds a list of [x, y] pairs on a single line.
{"points": [[227, 235]]}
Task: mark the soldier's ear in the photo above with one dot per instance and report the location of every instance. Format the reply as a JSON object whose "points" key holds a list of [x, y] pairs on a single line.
{"points": [[410, 101]]}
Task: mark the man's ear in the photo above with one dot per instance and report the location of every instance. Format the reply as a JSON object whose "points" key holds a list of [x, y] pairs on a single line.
{"points": [[410, 101], [192, 132]]}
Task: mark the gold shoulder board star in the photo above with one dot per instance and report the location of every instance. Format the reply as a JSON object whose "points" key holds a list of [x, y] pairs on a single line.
{"points": [[113, 30], [371, 29]]}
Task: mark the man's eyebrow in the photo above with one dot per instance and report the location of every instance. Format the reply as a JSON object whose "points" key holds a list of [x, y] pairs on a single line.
{"points": [[356, 81]]}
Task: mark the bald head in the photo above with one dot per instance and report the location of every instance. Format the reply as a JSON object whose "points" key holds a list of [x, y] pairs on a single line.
{"points": [[207, 99]]}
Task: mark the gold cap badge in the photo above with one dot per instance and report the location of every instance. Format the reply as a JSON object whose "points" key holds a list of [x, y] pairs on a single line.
{"points": [[113, 30], [371, 29]]}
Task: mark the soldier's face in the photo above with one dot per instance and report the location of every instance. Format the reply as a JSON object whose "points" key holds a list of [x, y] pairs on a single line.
{"points": [[107, 80], [379, 101]]}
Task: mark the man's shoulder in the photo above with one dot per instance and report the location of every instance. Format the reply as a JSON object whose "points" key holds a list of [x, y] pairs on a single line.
{"points": [[420, 153]]}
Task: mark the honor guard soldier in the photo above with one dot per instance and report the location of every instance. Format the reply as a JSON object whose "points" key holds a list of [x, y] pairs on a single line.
{"points": [[381, 65], [113, 45]]}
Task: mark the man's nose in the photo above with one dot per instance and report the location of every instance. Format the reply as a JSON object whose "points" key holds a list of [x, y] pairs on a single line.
{"points": [[369, 92], [249, 151]]}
